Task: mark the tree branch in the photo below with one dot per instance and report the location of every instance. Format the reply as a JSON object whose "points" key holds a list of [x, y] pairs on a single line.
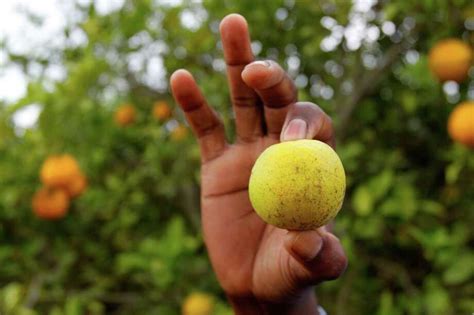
{"points": [[34, 290], [366, 86]]}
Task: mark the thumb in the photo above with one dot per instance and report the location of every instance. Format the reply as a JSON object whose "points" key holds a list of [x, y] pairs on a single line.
{"points": [[304, 246], [317, 256]]}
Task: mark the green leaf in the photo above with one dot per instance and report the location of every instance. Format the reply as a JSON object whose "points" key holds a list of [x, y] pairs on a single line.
{"points": [[387, 305], [362, 201], [452, 172], [436, 300], [409, 101], [73, 306], [432, 207], [380, 184], [12, 295], [461, 270]]}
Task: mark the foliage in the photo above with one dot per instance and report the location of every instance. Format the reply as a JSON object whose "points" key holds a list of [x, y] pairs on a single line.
{"points": [[131, 244]]}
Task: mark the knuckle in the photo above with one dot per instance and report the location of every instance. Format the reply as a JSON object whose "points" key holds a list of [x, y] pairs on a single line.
{"points": [[244, 101], [205, 130], [278, 100]]}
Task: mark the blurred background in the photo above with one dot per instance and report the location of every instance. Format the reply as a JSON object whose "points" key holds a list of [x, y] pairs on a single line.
{"points": [[99, 175]]}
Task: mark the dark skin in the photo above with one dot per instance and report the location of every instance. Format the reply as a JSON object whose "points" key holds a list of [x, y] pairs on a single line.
{"points": [[262, 269]]}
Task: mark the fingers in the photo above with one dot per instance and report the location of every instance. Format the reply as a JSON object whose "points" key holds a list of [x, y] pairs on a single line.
{"points": [[284, 118], [318, 256], [237, 54], [275, 88], [307, 121], [204, 121], [305, 246], [331, 262]]}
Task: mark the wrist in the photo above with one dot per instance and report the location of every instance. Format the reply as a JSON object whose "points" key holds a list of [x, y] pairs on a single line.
{"points": [[305, 303]]}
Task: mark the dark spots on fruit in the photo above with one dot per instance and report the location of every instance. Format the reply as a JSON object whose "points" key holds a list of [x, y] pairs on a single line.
{"points": [[304, 226], [277, 215], [324, 217]]}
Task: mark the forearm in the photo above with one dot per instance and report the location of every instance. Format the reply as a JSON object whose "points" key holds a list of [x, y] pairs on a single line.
{"points": [[306, 304]]}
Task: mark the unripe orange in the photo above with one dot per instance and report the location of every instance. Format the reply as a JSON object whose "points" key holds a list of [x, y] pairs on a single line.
{"points": [[161, 110], [125, 115], [59, 170], [50, 203], [450, 59], [461, 124], [179, 133]]}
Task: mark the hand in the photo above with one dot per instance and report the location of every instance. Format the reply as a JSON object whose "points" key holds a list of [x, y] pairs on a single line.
{"points": [[259, 266]]}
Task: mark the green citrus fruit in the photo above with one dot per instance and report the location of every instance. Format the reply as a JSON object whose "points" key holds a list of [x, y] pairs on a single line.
{"points": [[297, 185]]}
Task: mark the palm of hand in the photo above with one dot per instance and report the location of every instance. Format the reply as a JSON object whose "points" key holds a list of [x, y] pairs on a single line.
{"points": [[248, 255]]}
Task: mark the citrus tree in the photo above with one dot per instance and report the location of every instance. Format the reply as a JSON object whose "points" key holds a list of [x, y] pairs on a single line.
{"points": [[129, 241]]}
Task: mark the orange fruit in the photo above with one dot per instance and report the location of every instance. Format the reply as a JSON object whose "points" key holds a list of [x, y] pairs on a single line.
{"points": [[198, 303], [59, 170], [50, 204], [161, 110], [62, 171], [450, 59], [461, 123], [125, 115], [76, 186], [179, 133]]}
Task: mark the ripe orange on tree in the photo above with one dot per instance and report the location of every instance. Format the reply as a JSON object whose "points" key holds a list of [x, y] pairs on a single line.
{"points": [[198, 303], [59, 170], [125, 115], [76, 186], [50, 203], [461, 123], [161, 110], [450, 59], [63, 171], [179, 133]]}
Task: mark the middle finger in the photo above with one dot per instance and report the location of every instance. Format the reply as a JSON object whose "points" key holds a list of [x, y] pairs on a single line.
{"points": [[237, 54]]}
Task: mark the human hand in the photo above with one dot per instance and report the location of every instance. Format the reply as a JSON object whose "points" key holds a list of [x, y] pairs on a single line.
{"points": [[261, 268]]}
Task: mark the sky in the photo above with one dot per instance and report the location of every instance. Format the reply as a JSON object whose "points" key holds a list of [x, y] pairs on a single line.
{"points": [[21, 36], [24, 37]]}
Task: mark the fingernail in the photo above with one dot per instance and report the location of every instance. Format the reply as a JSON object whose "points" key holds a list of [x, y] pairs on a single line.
{"points": [[296, 129]]}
